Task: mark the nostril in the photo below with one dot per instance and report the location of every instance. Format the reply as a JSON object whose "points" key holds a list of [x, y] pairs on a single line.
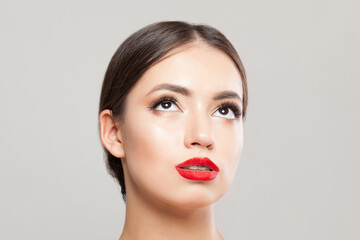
{"points": [[209, 146]]}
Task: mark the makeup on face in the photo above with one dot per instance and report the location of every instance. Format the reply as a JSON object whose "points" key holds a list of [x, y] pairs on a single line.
{"points": [[183, 127], [202, 169], [228, 109]]}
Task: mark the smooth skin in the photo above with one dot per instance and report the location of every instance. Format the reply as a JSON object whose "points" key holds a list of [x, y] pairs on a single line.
{"points": [[161, 204]]}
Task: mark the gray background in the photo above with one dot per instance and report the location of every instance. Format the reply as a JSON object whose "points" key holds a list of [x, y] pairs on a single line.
{"points": [[298, 176]]}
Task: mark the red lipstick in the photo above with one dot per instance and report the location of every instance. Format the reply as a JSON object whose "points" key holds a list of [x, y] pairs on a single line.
{"points": [[198, 169]]}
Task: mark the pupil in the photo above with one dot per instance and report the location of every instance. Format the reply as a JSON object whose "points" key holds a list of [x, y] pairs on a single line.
{"points": [[224, 110], [166, 104]]}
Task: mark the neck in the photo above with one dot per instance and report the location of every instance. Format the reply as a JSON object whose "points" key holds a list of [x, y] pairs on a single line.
{"points": [[146, 220]]}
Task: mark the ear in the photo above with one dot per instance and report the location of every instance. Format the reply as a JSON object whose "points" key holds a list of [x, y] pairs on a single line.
{"points": [[110, 134]]}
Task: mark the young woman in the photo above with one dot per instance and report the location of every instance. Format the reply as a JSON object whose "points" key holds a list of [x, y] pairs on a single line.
{"points": [[171, 117]]}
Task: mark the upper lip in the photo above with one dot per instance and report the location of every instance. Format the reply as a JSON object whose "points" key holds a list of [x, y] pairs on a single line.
{"points": [[199, 161]]}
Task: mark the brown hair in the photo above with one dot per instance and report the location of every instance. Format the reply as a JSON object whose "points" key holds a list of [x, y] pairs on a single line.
{"points": [[138, 53]]}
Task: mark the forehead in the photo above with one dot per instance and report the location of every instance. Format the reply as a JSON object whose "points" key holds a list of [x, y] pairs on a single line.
{"points": [[199, 67]]}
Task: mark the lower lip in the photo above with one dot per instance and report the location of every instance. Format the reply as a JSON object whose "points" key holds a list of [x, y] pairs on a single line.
{"points": [[197, 175]]}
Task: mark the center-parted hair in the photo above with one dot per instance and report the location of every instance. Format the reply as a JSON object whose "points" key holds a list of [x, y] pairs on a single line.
{"points": [[142, 50]]}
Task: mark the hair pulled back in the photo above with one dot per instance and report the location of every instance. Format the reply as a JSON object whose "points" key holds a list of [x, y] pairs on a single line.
{"points": [[138, 53]]}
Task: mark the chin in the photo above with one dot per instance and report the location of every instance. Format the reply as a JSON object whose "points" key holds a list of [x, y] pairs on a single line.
{"points": [[196, 203], [194, 198]]}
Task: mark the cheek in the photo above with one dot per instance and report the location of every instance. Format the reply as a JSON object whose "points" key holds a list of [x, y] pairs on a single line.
{"points": [[145, 144], [150, 148], [151, 138], [230, 144]]}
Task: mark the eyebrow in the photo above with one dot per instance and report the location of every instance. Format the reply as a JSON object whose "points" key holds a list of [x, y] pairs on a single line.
{"points": [[186, 92]]}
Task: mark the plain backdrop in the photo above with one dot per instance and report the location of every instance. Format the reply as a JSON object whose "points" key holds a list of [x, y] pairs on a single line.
{"points": [[298, 177]]}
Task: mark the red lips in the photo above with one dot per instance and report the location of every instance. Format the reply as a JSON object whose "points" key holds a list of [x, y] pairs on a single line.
{"points": [[198, 174]]}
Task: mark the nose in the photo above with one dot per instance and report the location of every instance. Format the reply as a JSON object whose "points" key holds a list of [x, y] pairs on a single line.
{"points": [[199, 132]]}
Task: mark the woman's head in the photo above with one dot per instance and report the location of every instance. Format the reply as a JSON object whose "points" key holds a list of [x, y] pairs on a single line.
{"points": [[160, 105]]}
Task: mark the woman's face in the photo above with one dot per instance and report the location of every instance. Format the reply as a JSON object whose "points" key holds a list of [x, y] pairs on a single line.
{"points": [[183, 107]]}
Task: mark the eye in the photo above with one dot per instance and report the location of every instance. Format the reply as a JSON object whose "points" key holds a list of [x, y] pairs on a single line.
{"points": [[228, 110], [165, 103]]}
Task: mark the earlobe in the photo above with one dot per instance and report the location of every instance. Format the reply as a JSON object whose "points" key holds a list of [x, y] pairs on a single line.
{"points": [[110, 134]]}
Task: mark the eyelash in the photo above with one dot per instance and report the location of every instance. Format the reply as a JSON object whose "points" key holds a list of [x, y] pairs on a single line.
{"points": [[233, 107]]}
